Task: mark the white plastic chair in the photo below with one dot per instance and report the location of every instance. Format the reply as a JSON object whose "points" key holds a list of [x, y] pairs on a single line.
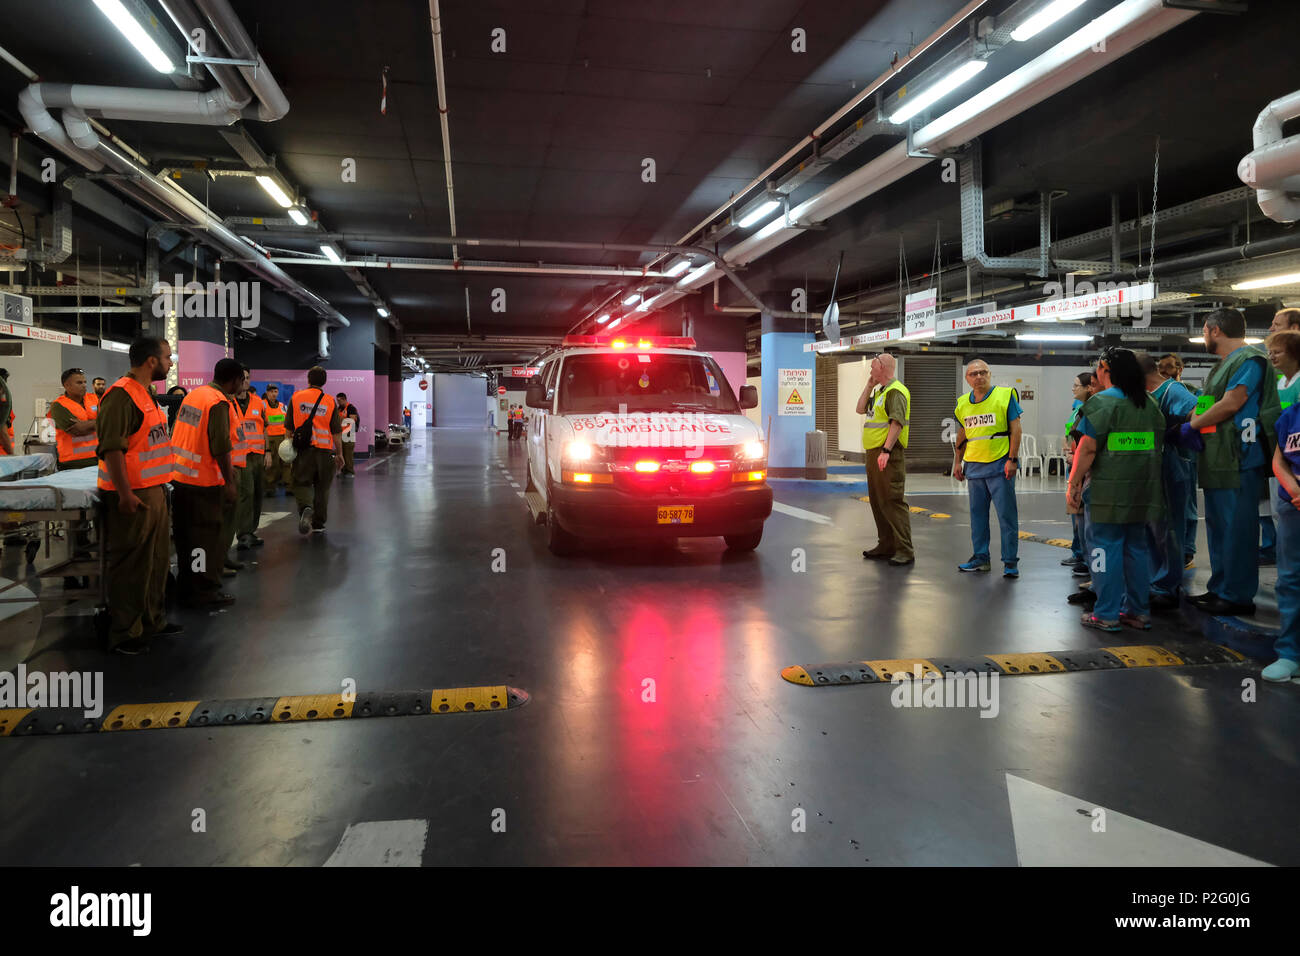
{"points": [[1028, 453], [1055, 453]]}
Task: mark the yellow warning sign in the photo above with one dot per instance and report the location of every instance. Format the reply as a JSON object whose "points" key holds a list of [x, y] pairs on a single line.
{"points": [[794, 398], [791, 386]]}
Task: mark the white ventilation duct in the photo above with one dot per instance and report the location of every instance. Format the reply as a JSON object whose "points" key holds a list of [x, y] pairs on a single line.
{"points": [[323, 340], [204, 107], [1273, 168], [1120, 30]]}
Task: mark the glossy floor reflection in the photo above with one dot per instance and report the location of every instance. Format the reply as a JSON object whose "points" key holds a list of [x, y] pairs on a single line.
{"points": [[659, 730]]}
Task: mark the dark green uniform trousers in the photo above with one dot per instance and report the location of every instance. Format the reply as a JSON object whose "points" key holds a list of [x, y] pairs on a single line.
{"points": [[249, 509], [313, 473], [139, 555], [888, 506], [197, 515], [231, 514], [277, 473]]}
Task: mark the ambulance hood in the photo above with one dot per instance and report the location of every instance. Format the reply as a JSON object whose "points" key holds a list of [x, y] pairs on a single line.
{"points": [[663, 429]]}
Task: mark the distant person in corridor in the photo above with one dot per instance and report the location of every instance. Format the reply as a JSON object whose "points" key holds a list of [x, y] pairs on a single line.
{"points": [[985, 457]]}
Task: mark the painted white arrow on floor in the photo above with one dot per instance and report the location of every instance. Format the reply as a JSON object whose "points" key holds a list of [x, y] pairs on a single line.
{"points": [[1050, 830], [381, 843]]}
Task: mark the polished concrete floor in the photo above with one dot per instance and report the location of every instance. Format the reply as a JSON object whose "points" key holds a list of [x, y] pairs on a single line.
{"points": [[728, 764]]}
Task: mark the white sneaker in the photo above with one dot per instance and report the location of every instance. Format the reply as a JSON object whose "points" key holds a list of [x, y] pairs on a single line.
{"points": [[304, 521]]}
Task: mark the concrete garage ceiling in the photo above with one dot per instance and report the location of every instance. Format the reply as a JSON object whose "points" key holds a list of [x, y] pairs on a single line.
{"points": [[549, 137]]}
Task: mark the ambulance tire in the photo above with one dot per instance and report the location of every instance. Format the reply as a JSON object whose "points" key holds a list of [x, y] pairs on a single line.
{"points": [[743, 542], [560, 542]]}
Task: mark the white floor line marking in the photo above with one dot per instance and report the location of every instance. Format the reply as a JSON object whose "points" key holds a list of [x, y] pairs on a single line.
{"points": [[519, 493], [269, 516], [1055, 829], [377, 461], [381, 843], [800, 513]]}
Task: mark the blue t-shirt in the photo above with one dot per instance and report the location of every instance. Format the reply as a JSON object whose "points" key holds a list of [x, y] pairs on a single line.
{"points": [[1250, 375], [1288, 439], [991, 469], [1085, 426]]}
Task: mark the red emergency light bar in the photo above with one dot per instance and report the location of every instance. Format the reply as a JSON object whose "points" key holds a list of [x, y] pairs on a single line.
{"points": [[630, 342]]}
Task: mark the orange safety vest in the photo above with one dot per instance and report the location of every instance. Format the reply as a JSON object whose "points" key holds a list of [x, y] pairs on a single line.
{"points": [[74, 448], [9, 426], [192, 460], [92, 403], [238, 446], [275, 420], [302, 403], [255, 425], [149, 450]]}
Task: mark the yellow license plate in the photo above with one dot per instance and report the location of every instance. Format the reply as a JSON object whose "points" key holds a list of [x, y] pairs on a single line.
{"points": [[677, 514]]}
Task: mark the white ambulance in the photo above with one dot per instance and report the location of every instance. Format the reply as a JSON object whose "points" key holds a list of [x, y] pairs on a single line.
{"points": [[641, 438]]}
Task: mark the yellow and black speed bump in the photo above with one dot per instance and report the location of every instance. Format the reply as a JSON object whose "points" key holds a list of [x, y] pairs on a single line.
{"points": [[28, 721], [1013, 665]]}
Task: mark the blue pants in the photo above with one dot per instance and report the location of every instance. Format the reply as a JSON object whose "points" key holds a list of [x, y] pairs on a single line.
{"points": [[1267, 533], [1288, 582], [1125, 582], [1076, 545], [1002, 494], [1165, 537], [1189, 538], [1232, 527]]}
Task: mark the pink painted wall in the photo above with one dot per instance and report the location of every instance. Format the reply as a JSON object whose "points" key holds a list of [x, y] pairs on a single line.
{"points": [[195, 360], [395, 402], [733, 366], [381, 401], [358, 383]]}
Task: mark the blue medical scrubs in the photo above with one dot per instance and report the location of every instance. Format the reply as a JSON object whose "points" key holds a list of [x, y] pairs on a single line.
{"points": [[1165, 537], [1232, 514], [987, 483], [1123, 582], [1287, 644]]}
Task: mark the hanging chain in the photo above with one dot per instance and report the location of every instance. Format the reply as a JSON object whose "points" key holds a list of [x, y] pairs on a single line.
{"points": [[1155, 194]]}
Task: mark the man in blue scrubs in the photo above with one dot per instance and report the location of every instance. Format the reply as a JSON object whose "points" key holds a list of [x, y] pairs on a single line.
{"points": [[1165, 535], [1237, 409]]}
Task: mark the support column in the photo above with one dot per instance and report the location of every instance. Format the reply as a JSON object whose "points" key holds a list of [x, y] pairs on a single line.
{"points": [[788, 372], [723, 337]]}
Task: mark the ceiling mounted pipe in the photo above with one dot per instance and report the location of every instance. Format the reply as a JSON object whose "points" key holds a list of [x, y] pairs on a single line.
{"points": [[188, 20], [1273, 167], [204, 108], [272, 103], [323, 340], [40, 121]]}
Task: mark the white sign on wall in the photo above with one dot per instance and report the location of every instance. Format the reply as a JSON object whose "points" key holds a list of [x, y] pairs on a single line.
{"points": [[794, 391]]}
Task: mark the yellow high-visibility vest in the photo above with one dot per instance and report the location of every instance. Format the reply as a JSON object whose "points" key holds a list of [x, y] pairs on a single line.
{"points": [[876, 430], [988, 433]]}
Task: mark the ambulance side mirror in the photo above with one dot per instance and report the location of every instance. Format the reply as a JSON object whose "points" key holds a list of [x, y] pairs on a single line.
{"points": [[749, 396], [535, 395]]}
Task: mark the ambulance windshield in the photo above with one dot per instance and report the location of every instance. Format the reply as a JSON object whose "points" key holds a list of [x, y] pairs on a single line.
{"points": [[645, 382]]}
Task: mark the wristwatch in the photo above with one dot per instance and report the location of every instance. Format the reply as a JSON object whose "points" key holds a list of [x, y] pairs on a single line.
{"points": [[886, 451], [1014, 461]]}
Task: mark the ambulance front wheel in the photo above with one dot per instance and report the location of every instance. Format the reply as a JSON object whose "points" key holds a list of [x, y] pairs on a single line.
{"points": [[743, 542], [560, 542]]}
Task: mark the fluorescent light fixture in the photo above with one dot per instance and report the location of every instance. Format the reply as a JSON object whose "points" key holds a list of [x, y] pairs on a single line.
{"points": [[680, 266], [1200, 340], [1043, 19], [275, 192], [603, 319], [1292, 278], [114, 346], [634, 298], [695, 273], [383, 313], [758, 213], [298, 216], [331, 253], [1045, 337], [139, 38], [917, 102], [614, 324]]}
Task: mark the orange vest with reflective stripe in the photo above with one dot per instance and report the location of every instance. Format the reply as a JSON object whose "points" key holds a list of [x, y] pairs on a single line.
{"points": [[255, 425], [91, 402], [149, 450], [74, 448], [192, 460], [238, 446], [275, 419], [302, 403]]}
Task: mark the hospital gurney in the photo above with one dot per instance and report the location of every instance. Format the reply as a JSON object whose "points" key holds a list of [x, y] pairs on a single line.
{"points": [[69, 496]]}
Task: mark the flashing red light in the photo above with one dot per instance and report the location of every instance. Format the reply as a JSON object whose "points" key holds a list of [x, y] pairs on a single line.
{"points": [[600, 341], [647, 467], [702, 467]]}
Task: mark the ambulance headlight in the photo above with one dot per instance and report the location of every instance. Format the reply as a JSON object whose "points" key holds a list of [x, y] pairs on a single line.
{"points": [[579, 451], [752, 451]]}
